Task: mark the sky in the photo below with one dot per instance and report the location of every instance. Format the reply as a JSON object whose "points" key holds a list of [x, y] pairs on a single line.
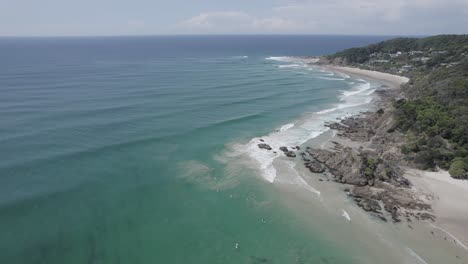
{"points": [[157, 17]]}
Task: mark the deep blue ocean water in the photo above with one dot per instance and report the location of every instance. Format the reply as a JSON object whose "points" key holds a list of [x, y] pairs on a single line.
{"points": [[114, 149]]}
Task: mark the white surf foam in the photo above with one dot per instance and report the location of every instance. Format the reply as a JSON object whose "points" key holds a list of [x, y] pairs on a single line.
{"points": [[309, 126], [327, 110], [287, 126], [358, 89], [416, 256], [343, 75], [281, 59], [452, 236], [240, 57], [289, 135], [332, 79], [346, 215], [296, 178], [297, 61], [359, 95], [306, 128], [290, 66]]}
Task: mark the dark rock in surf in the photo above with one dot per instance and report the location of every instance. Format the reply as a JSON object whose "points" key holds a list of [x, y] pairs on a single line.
{"points": [[287, 152], [264, 146]]}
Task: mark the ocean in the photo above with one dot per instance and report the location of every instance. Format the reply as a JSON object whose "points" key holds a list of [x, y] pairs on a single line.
{"points": [[144, 150]]}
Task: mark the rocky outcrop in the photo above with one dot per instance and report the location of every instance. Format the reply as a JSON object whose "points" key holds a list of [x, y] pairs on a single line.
{"points": [[288, 153], [390, 201], [366, 199], [320, 155], [377, 184], [315, 166], [264, 146], [285, 150], [357, 167]]}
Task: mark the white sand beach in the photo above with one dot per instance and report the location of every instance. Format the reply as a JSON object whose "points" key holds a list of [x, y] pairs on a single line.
{"points": [[381, 76], [449, 197]]}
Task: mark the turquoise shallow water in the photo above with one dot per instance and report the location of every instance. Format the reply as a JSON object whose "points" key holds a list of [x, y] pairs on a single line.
{"points": [[113, 149]]}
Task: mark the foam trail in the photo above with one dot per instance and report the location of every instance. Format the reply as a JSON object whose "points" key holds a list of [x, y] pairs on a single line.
{"points": [[346, 215], [416, 256], [281, 59], [327, 110], [303, 129], [331, 79], [290, 66], [286, 127], [308, 187], [301, 61], [343, 75], [240, 57], [361, 88], [452, 236], [302, 181]]}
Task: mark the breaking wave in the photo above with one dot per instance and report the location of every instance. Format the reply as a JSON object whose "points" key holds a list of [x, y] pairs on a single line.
{"points": [[303, 129]]}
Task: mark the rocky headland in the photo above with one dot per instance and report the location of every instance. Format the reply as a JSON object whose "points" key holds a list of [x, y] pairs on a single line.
{"points": [[365, 155]]}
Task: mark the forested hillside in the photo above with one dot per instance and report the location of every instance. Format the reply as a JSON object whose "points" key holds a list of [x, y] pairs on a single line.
{"points": [[434, 113]]}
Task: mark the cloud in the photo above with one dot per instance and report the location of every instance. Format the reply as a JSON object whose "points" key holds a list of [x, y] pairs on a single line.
{"points": [[380, 16], [339, 17], [236, 22], [213, 20], [275, 24]]}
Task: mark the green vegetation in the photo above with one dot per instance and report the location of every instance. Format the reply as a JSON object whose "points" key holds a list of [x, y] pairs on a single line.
{"points": [[459, 168], [434, 113], [435, 118], [370, 165], [443, 48]]}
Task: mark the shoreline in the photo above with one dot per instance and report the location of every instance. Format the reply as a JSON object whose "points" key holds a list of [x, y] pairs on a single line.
{"points": [[324, 176], [443, 194], [449, 196], [381, 77]]}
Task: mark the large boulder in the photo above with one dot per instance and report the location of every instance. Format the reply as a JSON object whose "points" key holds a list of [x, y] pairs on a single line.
{"points": [[362, 192], [369, 205], [264, 146], [287, 152], [315, 166]]}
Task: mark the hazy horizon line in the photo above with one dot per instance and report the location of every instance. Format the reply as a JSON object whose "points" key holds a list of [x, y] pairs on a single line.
{"points": [[214, 35]]}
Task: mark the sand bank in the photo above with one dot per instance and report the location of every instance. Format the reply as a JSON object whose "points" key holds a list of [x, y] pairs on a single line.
{"points": [[449, 197]]}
